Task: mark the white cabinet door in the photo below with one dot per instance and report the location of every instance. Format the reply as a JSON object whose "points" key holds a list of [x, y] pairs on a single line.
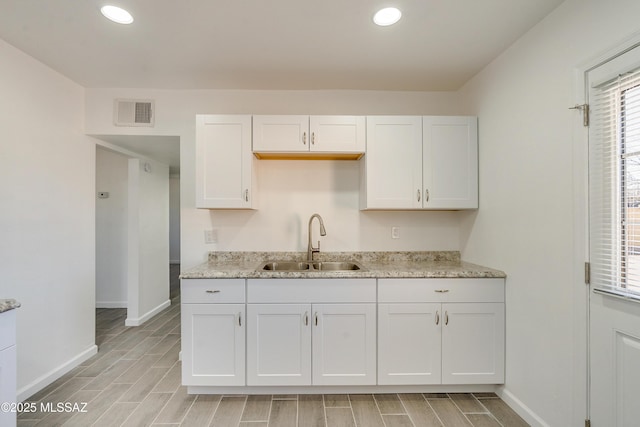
{"points": [[213, 344], [393, 163], [450, 162], [344, 344], [337, 134], [473, 343], [280, 133], [409, 343], [224, 162], [279, 344]]}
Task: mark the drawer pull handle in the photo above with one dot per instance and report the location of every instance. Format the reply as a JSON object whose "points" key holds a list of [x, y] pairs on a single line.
{"points": [[306, 318], [446, 318], [316, 317], [442, 291], [437, 318], [215, 291], [240, 319]]}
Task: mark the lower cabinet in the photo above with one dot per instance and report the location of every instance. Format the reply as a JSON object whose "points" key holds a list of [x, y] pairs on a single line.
{"points": [[425, 339], [311, 332], [8, 366], [311, 344], [213, 333]]}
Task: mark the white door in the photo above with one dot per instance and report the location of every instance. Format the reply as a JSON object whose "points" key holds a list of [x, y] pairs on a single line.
{"points": [[409, 349], [224, 162], [393, 163], [213, 344], [450, 162], [280, 133], [344, 344], [614, 246], [473, 343], [279, 344], [337, 134]]}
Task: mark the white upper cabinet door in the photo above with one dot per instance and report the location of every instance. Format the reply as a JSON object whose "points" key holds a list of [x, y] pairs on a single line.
{"points": [[280, 133], [393, 163], [279, 344], [224, 162], [344, 344], [335, 134], [409, 350], [450, 162], [473, 343]]}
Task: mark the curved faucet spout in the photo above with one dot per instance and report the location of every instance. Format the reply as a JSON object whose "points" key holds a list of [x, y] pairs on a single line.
{"points": [[323, 232]]}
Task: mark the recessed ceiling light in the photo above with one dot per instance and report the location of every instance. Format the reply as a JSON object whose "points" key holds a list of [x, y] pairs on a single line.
{"points": [[117, 14], [387, 16]]}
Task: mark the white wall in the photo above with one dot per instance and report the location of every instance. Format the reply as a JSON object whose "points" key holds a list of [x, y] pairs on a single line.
{"points": [[111, 229], [148, 240], [526, 224], [280, 222], [47, 220], [174, 219]]}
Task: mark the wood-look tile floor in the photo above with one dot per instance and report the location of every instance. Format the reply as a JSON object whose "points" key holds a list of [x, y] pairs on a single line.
{"points": [[134, 380]]}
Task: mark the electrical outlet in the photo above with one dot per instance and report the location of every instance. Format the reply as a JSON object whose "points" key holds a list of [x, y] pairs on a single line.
{"points": [[395, 232], [211, 236]]}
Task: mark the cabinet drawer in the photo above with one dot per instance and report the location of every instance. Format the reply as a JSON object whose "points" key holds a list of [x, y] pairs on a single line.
{"points": [[285, 291], [212, 291], [440, 290]]}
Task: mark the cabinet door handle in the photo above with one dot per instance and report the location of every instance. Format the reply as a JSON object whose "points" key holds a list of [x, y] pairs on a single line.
{"points": [[313, 138], [442, 291], [446, 318], [306, 318], [316, 318], [426, 195], [419, 194], [304, 138], [214, 291], [246, 195], [437, 318], [240, 319]]}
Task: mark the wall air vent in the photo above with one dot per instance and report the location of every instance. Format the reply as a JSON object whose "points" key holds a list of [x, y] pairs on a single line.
{"points": [[133, 112]]}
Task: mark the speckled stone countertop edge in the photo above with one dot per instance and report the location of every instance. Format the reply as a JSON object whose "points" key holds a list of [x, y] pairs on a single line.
{"points": [[428, 264], [8, 304]]}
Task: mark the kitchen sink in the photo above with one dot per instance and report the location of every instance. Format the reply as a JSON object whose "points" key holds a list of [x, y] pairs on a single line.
{"points": [[310, 266]]}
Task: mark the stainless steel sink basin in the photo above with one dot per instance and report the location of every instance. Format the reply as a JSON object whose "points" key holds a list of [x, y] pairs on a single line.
{"points": [[335, 266], [311, 266], [286, 266]]}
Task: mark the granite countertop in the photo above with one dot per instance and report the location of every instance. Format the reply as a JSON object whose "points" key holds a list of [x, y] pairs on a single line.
{"points": [[8, 304], [433, 264]]}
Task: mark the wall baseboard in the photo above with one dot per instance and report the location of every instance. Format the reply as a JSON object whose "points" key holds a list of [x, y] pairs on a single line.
{"points": [[46, 379], [148, 315], [521, 409], [111, 304]]}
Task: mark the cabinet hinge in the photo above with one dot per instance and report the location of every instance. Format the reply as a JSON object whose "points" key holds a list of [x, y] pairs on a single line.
{"points": [[587, 423], [585, 112], [587, 273]]}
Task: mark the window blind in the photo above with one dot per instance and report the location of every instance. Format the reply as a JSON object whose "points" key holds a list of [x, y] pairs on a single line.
{"points": [[614, 185]]}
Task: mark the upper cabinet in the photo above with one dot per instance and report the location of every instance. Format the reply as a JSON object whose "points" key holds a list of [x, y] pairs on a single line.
{"points": [[225, 176], [415, 162], [450, 162], [309, 136]]}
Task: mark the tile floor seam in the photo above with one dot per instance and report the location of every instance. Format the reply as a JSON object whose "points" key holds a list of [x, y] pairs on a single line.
{"points": [[433, 410]]}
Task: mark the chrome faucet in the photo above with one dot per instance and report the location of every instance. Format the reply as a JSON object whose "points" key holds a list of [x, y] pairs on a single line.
{"points": [[311, 250]]}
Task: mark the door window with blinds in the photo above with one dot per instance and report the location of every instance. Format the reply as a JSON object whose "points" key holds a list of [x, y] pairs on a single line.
{"points": [[614, 182]]}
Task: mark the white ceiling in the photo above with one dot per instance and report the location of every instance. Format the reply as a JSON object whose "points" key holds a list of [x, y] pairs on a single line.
{"points": [[438, 45], [279, 44]]}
